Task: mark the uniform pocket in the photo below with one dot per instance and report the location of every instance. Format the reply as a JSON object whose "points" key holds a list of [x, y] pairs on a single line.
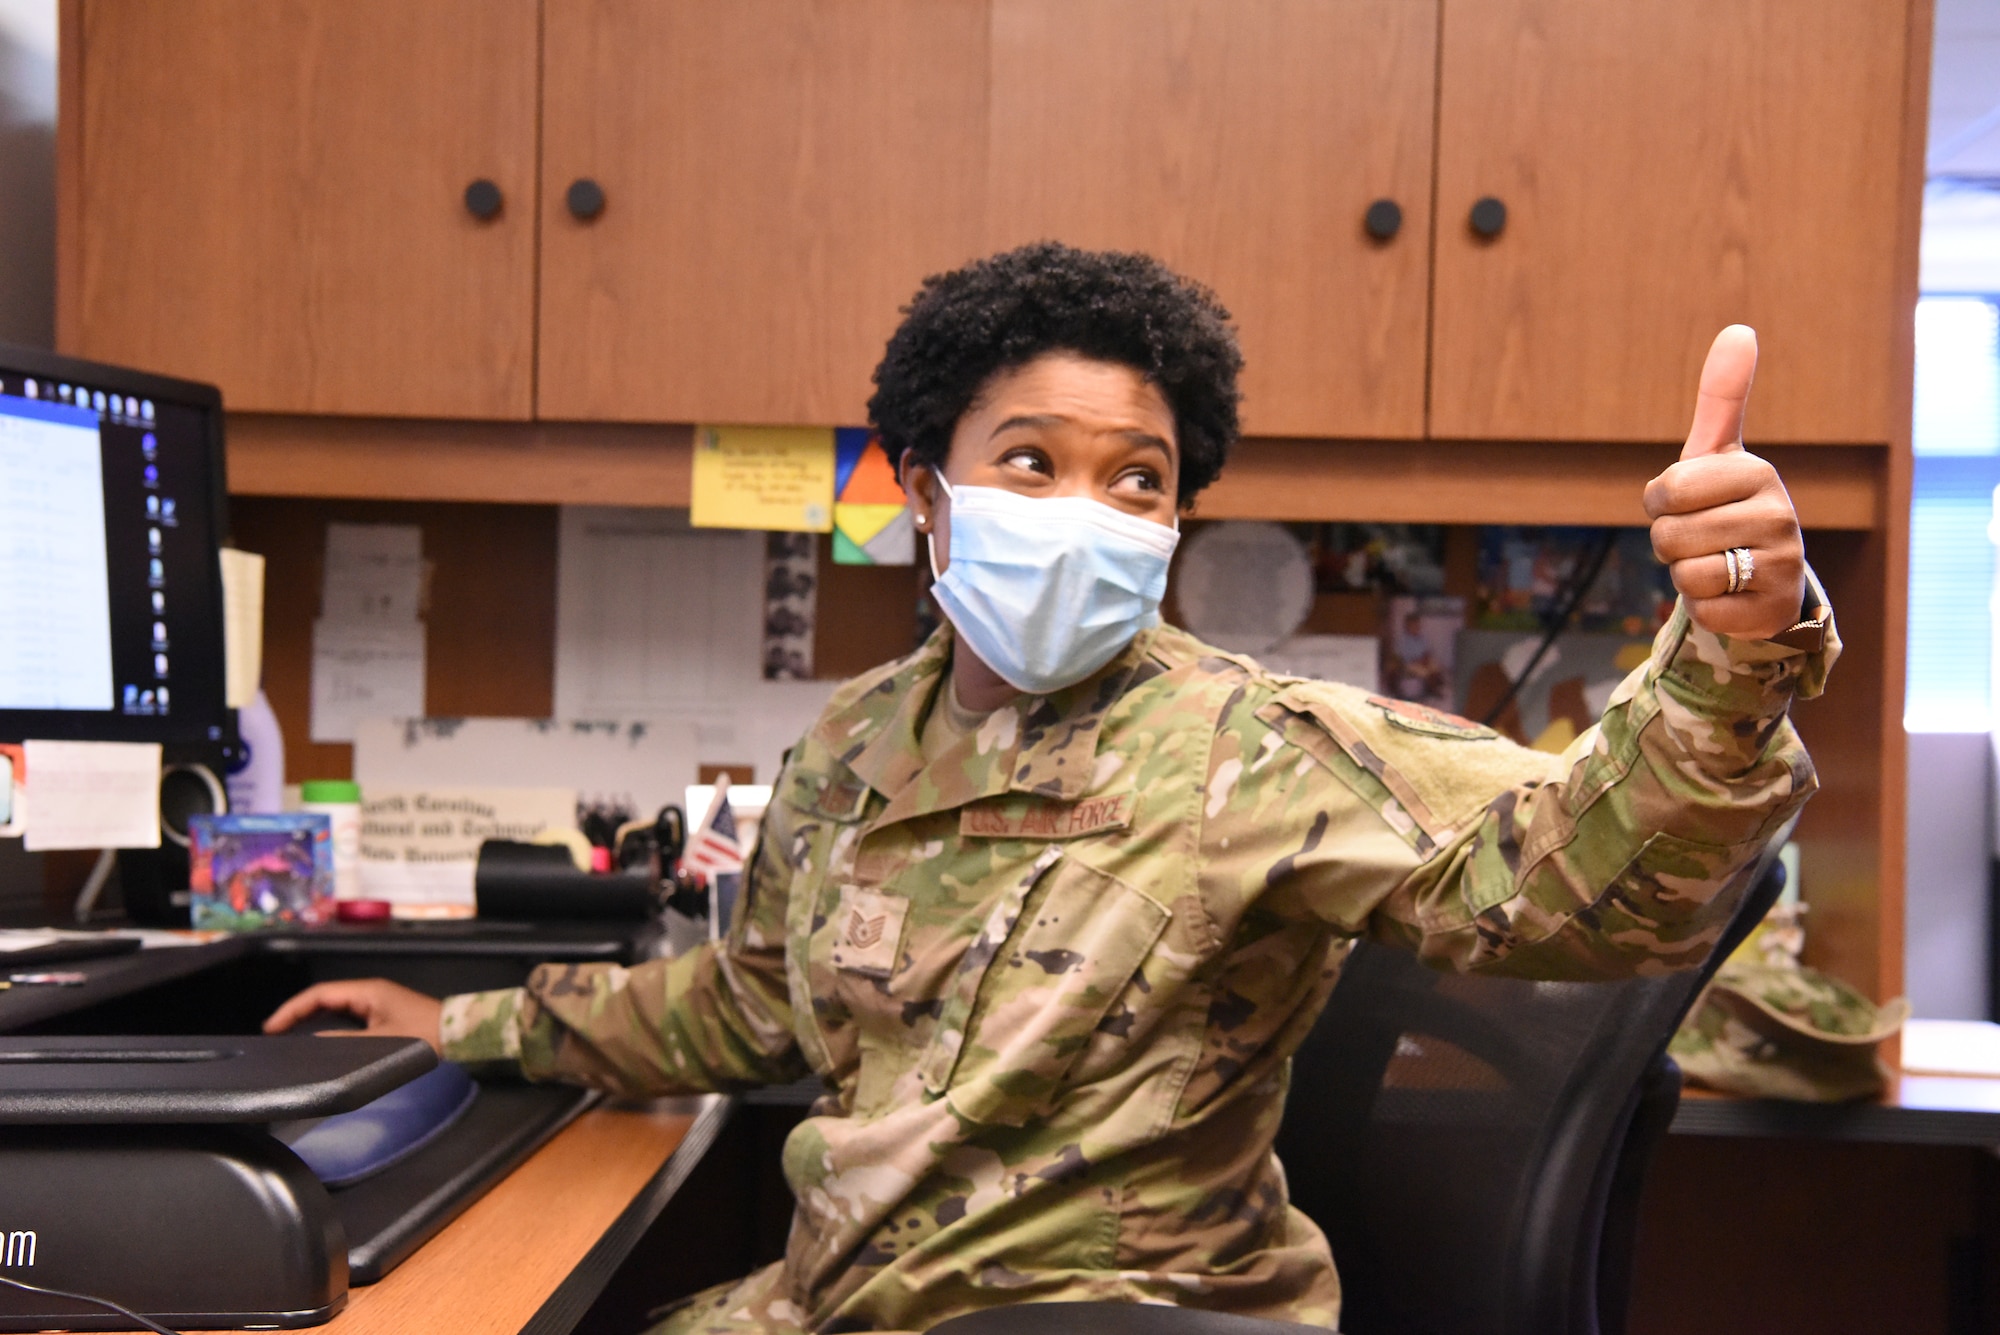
{"points": [[1051, 959]]}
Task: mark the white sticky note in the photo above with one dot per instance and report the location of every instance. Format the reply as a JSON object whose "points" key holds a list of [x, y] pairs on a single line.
{"points": [[242, 625], [93, 795], [373, 572], [363, 670], [374, 542]]}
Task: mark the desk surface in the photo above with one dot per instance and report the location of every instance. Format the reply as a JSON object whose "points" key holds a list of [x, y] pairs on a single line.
{"points": [[118, 976], [534, 1252], [495, 1267], [1915, 1110]]}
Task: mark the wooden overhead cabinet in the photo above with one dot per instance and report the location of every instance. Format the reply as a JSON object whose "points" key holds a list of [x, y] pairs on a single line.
{"points": [[711, 210], [279, 196], [1653, 170], [1277, 150], [738, 195]]}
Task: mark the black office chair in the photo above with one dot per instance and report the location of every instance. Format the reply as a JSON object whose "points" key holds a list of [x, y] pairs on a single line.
{"points": [[1474, 1148]]}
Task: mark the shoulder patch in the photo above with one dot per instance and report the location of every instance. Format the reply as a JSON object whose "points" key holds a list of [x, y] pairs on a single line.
{"points": [[1428, 722]]}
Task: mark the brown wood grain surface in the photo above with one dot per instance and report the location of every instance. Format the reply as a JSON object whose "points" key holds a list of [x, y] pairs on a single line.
{"points": [[1242, 144], [1511, 482], [1758, 1236], [490, 1268], [69, 174], [568, 463], [1669, 167], [781, 172], [271, 200], [1844, 833], [1890, 793], [489, 626], [779, 175], [1494, 482]]}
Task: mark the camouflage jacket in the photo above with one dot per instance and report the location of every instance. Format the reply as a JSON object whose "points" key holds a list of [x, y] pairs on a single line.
{"points": [[1052, 979]]}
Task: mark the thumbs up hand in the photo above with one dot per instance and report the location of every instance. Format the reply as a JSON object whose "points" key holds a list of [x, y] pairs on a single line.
{"points": [[1719, 502]]}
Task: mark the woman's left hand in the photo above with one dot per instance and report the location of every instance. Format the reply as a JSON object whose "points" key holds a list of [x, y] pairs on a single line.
{"points": [[1719, 497]]}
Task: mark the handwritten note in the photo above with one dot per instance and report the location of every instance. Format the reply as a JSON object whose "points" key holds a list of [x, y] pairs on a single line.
{"points": [[774, 478], [365, 670], [92, 795], [368, 645], [373, 572]]}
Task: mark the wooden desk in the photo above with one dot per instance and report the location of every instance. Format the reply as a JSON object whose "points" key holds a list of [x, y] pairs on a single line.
{"points": [[1761, 1215], [1914, 1110], [1952, 1097], [532, 1254]]}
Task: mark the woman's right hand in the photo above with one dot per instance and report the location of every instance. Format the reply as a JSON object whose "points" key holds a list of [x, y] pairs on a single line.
{"points": [[386, 1010]]}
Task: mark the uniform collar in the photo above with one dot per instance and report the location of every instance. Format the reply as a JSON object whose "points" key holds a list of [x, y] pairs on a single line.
{"points": [[1045, 745]]}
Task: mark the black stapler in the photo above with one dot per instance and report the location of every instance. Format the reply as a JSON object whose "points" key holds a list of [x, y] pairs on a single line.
{"points": [[142, 1171]]}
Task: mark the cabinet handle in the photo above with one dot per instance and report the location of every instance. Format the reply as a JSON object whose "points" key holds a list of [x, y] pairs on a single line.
{"points": [[1489, 217], [1383, 220], [483, 200], [585, 198]]}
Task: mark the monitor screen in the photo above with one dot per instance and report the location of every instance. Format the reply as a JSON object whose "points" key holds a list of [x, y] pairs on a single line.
{"points": [[111, 511]]}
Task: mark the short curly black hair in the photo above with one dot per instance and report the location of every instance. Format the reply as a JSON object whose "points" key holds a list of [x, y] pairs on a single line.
{"points": [[993, 315]]}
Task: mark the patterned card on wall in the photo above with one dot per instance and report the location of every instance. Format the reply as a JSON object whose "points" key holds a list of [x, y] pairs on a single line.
{"points": [[871, 515]]}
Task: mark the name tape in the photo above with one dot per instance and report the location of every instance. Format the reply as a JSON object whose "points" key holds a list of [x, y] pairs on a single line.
{"points": [[1013, 819]]}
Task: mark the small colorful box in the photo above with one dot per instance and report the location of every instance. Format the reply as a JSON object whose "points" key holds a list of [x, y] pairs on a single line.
{"points": [[252, 871]]}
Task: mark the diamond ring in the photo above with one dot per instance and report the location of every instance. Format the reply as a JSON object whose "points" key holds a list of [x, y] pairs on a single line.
{"points": [[1742, 569]]}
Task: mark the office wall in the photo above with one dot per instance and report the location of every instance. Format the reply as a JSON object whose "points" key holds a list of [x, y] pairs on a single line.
{"points": [[27, 171]]}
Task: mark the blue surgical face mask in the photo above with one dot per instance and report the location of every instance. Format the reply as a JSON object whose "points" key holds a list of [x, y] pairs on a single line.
{"points": [[1048, 590]]}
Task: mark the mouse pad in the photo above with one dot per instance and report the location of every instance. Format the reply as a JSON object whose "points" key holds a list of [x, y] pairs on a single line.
{"points": [[352, 1146]]}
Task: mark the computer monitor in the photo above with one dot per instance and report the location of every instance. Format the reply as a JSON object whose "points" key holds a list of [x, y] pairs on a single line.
{"points": [[112, 501]]}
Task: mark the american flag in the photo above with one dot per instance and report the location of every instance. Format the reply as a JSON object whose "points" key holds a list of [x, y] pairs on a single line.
{"points": [[713, 851]]}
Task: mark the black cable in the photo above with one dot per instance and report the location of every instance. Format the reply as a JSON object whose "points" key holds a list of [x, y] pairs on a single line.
{"points": [[1580, 585], [105, 1303]]}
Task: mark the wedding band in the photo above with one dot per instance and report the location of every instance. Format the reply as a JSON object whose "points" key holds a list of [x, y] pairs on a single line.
{"points": [[1742, 569]]}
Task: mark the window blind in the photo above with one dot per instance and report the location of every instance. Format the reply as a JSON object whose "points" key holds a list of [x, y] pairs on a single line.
{"points": [[1957, 467]]}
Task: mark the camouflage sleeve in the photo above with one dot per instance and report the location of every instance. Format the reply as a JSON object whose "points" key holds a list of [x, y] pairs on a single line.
{"points": [[1483, 855], [718, 1017]]}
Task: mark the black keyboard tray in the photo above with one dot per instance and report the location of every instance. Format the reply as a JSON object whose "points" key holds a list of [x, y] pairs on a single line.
{"points": [[261, 1078]]}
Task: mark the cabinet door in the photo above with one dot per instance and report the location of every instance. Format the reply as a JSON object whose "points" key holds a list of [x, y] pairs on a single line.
{"points": [[273, 199], [777, 176], [1242, 142], [1667, 167]]}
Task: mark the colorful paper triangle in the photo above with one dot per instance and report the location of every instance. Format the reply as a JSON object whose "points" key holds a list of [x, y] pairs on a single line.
{"points": [[848, 444], [846, 553], [862, 522], [871, 481]]}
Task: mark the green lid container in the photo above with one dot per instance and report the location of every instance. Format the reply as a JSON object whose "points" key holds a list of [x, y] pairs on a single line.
{"points": [[329, 790]]}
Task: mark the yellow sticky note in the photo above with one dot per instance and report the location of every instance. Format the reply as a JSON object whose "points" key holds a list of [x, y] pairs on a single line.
{"points": [[768, 477], [242, 626]]}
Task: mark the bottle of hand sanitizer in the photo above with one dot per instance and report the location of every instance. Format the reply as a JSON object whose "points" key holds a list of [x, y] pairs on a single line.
{"points": [[257, 782]]}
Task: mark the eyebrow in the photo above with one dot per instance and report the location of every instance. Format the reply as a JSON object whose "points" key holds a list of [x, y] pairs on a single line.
{"points": [[1042, 420]]}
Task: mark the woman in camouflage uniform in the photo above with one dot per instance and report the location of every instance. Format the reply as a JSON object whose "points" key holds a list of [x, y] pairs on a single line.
{"points": [[1049, 915]]}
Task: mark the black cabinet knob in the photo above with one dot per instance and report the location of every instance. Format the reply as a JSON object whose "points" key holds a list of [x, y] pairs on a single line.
{"points": [[1384, 219], [1489, 216], [585, 198], [483, 200]]}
